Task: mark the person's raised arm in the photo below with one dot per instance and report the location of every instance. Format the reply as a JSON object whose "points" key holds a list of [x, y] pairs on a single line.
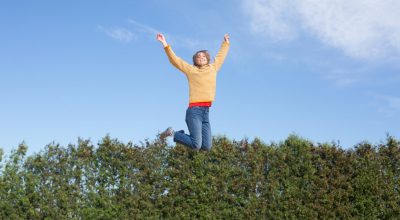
{"points": [[223, 51], [173, 59]]}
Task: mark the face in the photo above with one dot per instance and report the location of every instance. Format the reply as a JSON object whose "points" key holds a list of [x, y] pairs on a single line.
{"points": [[201, 59]]}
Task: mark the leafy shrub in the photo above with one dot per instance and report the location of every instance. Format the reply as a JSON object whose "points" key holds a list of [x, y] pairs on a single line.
{"points": [[235, 180]]}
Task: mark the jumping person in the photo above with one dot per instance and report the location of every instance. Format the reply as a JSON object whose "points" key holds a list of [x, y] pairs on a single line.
{"points": [[202, 77]]}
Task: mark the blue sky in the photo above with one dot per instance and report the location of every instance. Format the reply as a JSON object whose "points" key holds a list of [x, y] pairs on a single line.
{"points": [[324, 70]]}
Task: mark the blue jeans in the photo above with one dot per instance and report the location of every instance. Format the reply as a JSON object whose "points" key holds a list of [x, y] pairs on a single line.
{"points": [[199, 127]]}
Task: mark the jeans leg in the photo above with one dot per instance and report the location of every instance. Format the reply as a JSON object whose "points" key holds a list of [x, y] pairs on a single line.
{"points": [[194, 123], [206, 132], [182, 138]]}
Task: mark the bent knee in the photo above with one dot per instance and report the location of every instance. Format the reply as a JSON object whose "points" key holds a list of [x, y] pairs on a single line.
{"points": [[197, 145], [206, 148]]}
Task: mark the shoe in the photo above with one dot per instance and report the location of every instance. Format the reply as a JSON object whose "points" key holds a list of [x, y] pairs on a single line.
{"points": [[167, 133]]}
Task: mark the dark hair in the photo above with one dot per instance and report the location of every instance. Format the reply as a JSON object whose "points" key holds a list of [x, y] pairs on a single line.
{"points": [[201, 51]]}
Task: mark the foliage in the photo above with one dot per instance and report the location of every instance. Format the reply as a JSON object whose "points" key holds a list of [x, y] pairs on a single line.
{"points": [[235, 180]]}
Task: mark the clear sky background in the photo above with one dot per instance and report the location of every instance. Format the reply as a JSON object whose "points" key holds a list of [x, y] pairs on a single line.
{"points": [[324, 70]]}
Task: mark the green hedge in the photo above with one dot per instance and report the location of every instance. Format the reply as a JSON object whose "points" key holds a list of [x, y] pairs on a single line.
{"points": [[295, 179]]}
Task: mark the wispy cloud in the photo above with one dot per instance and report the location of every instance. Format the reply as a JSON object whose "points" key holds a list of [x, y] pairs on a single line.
{"points": [[118, 33], [176, 40], [363, 29], [388, 105], [139, 30], [144, 29], [393, 102], [341, 76], [273, 18]]}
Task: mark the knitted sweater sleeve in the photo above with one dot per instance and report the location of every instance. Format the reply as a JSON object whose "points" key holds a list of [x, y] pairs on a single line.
{"points": [[220, 57], [177, 61]]}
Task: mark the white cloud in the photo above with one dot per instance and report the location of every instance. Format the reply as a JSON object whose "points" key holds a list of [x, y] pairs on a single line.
{"points": [[274, 18], [118, 33], [366, 29]]}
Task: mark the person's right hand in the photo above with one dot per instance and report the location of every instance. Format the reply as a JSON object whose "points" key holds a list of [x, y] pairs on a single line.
{"points": [[161, 38], [226, 38]]}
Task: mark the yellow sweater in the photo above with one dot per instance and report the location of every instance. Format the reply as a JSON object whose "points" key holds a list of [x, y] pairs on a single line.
{"points": [[202, 80]]}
